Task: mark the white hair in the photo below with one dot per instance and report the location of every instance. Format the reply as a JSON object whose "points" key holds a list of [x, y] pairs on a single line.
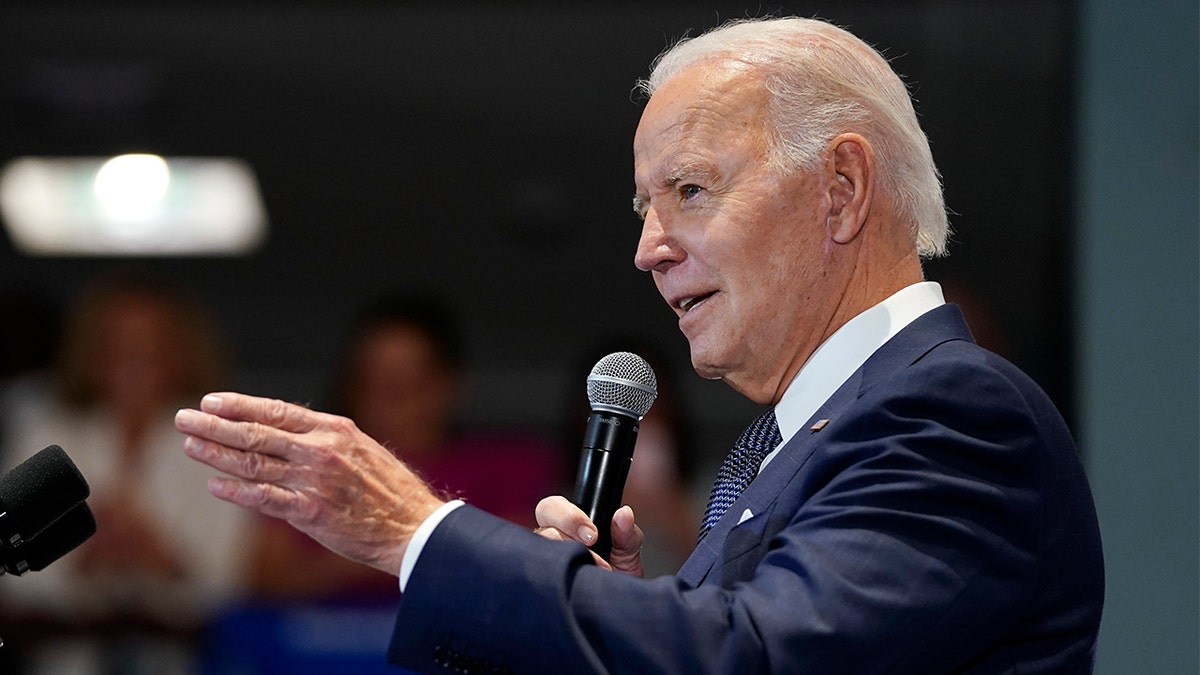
{"points": [[824, 81]]}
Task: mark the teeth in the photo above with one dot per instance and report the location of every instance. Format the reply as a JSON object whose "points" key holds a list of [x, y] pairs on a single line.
{"points": [[688, 303]]}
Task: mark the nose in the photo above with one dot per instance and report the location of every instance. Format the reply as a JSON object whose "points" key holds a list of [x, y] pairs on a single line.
{"points": [[656, 250]]}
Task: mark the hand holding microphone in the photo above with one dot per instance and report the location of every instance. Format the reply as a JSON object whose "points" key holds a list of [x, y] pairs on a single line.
{"points": [[621, 388]]}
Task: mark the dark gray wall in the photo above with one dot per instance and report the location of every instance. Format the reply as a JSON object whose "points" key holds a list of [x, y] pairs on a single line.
{"points": [[482, 151]]}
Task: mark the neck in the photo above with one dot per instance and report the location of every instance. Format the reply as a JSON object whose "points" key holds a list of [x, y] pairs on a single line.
{"points": [[870, 281]]}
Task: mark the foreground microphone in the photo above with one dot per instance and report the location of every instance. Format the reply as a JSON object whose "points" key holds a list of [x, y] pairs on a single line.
{"points": [[621, 389], [36, 493], [60, 538]]}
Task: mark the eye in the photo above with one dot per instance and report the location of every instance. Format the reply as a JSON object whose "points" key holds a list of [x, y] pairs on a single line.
{"points": [[690, 191]]}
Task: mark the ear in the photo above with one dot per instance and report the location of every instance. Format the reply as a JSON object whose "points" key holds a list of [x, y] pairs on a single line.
{"points": [[852, 189]]}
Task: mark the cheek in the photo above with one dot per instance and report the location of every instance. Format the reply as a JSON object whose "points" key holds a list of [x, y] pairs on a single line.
{"points": [[781, 289], [658, 281]]}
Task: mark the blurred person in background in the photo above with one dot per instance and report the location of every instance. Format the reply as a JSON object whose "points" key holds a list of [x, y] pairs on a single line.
{"points": [[165, 556], [401, 375]]}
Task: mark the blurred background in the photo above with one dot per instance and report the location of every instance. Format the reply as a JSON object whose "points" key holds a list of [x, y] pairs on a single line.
{"points": [[477, 155]]}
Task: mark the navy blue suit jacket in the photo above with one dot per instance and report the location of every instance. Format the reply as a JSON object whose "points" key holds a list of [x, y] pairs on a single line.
{"points": [[940, 522]]}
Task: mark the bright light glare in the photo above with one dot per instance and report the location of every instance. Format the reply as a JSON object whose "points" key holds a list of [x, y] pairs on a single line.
{"points": [[132, 205], [130, 189]]}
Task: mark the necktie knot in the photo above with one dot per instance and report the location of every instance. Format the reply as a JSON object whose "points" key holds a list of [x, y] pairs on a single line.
{"points": [[741, 466]]}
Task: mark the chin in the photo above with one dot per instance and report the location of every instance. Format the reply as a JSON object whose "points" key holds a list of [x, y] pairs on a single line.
{"points": [[706, 367], [712, 369]]}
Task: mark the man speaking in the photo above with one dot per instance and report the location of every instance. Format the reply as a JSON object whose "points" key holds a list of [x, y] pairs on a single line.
{"points": [[906, 503]]}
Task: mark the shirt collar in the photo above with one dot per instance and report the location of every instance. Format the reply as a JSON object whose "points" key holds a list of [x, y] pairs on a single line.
{"points": [[847, 349]]}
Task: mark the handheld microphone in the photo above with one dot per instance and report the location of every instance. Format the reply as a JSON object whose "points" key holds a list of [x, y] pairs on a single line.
{"points": [[38, 492], [621, 388], [58, 539]]}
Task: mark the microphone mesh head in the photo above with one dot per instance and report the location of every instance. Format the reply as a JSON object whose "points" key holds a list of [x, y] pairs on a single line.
{"points": [[622, 383]]}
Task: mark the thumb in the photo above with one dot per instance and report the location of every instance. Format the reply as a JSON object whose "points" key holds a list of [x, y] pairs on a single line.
{"points": [[627, 539]]}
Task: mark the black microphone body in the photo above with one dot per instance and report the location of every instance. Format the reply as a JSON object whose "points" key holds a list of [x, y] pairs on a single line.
{"points": [[604, 463], [621, 389], [36, 493], [60, 538]]}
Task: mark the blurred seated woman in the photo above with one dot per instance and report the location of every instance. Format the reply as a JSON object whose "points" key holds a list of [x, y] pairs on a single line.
{"points": [[166, 555], [400, 378]]}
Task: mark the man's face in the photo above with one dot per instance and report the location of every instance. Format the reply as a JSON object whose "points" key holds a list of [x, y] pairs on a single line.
{"points": [[737, 249]]}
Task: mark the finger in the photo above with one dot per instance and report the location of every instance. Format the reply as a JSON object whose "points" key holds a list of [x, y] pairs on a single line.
{"points": [[556, 535], [270, 500], [271, 412], [625, 532], [246, 436], [551, 534], [251, 466], [627, 540], [559, 513]]}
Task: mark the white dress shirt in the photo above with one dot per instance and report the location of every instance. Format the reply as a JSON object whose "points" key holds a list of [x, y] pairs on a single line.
{"points": [[845, 351]]}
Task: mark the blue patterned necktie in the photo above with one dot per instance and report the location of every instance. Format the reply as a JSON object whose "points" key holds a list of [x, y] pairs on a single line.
{"points": [[740, 467]]}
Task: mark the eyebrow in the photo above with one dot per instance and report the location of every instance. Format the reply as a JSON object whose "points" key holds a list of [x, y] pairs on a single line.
{"points": [[686, 170], [639, 206]]}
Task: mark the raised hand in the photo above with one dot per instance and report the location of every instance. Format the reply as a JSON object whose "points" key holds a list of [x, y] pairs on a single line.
{"points": [[317, 471]]}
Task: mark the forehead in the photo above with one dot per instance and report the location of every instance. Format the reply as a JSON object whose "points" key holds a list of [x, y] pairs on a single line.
{"points": [[705, 108]]}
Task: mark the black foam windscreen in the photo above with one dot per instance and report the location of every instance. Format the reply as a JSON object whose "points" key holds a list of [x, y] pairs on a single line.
{"points": [[55, 541], [38, 492]]}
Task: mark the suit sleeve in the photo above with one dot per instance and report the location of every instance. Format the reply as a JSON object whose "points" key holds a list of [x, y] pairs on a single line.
{"points": [[907, 543]]}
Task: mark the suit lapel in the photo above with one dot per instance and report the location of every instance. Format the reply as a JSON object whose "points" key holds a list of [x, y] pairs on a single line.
{"points": [[908, 346], [760, 496]]}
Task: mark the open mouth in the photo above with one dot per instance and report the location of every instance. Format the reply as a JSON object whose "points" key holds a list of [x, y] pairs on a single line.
{"points": [[688, 303]]}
